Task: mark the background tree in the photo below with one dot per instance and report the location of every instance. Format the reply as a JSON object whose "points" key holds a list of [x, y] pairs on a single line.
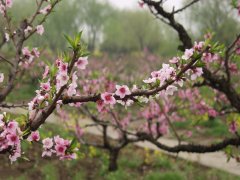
{"points": [[134, 30], [214, 16], [94, 15]]}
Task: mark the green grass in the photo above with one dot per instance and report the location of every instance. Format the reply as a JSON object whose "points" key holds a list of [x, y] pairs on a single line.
{"points": [[132, 163], [164, 176], [162, 162], [25, 93], [212, 128], [50, 171]]}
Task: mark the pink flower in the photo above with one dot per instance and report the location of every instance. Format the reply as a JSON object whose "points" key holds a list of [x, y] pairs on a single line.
{"points": [[208, 36], [45, 86], [209, 57], [34, 136], [149, 80], [69, 157], [1, 77], [82, 62], [212, 112], [238, 51], [27, 53], [122, 91], [174, 60], [163, 129], [233, 127], [141, 4], [48, 152], [46, 72], [100, 105], [233, 67], [47, 143], [15, 156], [189, 134], [71, 90], [2, 124], [12, 126], [12, 139], [197, 72], [35, 52], [187, 54], [9, 3], [63, 67], [238, 7], [108, 98], [72, 87], [62, 79], [170, 90], [45, 10], [134, 88], [198, 46], [40, 29], [126, 103], [2, 9], [79, 131], [60, 149], [61, 141], [179, 82]]}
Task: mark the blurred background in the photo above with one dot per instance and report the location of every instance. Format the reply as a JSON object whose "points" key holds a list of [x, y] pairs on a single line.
{"points": [[123, 27]]}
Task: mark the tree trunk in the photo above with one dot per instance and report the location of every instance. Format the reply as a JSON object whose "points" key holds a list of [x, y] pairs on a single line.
{"points": [[113, 157]]}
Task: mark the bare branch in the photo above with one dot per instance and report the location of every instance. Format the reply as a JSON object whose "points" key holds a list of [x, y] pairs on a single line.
{"points": [[185, 7]]}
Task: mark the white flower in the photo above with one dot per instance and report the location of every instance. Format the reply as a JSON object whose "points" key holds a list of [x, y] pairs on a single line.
{"points": [[1, 77]]}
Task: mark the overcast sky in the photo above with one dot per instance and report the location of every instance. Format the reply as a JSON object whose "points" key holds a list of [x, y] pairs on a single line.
{"points": [[122, 4]]}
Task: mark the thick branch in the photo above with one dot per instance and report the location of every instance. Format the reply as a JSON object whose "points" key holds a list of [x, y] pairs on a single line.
{"points": [[182, 33], [197, 148]]}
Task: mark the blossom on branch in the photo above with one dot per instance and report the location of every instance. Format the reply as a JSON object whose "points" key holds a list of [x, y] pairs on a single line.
{"points": [[122, 91], [40, 29], [81, 63], [108, 98]]}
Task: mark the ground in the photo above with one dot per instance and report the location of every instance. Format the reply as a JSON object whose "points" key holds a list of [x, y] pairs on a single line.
{"points": [[143, 164]]}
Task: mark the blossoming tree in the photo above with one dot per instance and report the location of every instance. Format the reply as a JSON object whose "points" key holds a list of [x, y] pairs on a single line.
{"points": [[204, 63]]}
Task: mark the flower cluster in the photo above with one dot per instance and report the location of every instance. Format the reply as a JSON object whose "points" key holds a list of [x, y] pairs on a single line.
{"points": [[34, 136], [159, 78], [197, 103], [167, 72], [39, 29], [10, 135], [50, 86], [30, 55], [46, 9], [209, 57], [4, 5], [58, 146], [233, 127], [157, 115], [109, 98]]}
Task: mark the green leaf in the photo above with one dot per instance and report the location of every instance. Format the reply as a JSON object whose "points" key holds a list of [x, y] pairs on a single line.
{"points": [[70, 41], [25, 158], [78, 38], [73, 144], [234, 3], [199, 64], [22, 120]]}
